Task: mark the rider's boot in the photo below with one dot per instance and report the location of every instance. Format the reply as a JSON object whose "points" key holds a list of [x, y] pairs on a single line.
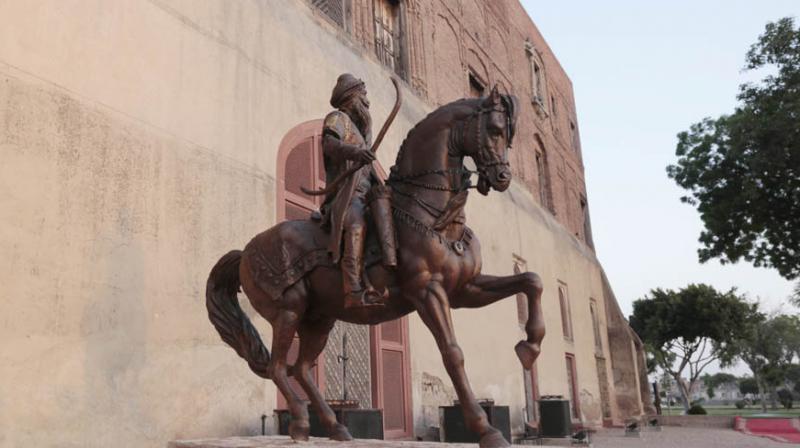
{"points": [[355, 295]]}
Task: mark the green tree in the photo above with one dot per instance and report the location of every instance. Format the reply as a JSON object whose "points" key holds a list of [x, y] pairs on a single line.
{"points": [[712, 382], [793, 377], [768, 346], [742, 170], [686, 330], [748, 386]]}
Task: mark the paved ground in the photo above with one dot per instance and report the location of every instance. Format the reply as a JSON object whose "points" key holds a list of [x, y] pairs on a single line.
{"points": [[673, 437], [669, 437], [284, 442]]}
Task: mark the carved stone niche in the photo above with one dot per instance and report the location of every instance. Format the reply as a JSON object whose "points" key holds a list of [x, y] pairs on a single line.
{"points": [[538, 81]]}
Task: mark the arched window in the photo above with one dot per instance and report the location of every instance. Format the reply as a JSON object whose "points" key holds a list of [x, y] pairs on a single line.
{"points": [[538, 82], [389, 35], [335, 10], [300, 164], [543, 177]]}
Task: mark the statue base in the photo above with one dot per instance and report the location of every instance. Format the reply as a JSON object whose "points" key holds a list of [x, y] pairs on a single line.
{"points": [[314, 442]]}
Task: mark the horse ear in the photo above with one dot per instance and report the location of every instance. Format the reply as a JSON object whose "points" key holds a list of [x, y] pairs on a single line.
{"points": [[494, 97]]}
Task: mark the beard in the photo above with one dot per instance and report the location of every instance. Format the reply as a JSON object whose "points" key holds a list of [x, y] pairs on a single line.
{"points": [[359, 113]]}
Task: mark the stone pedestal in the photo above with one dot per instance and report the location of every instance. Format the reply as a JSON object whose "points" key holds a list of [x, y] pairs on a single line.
{"points": [[285, 442]]}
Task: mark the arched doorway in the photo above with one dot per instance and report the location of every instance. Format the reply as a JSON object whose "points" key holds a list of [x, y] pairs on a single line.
{"points": [[379, 376], [300, 164]]}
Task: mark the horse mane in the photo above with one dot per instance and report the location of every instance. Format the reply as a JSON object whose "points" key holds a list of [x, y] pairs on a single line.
{"points": [[509, 103], [425, 122]]}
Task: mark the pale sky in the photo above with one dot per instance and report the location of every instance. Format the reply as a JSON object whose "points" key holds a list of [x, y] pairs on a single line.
{"points": [[643, 71]]}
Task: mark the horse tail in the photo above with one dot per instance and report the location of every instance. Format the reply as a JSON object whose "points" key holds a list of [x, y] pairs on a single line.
{"points": [[228, 318]]}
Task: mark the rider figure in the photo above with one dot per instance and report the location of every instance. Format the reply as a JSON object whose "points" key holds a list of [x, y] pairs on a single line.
{"points": [[346, 137]]}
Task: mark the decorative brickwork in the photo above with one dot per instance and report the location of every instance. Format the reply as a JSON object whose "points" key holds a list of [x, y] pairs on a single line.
{"points": [[496, 43]]}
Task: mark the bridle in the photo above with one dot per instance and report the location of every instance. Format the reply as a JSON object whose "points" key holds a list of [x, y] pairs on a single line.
{"points": [[485, 157], [458, 177]]}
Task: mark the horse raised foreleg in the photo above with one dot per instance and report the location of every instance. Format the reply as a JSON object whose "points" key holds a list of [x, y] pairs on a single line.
{"points": [[434, 309], [487, 289], [313, 337], [284, 326]]}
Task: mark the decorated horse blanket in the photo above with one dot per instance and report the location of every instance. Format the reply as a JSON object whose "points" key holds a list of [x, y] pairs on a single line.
{"points": [[284, 254]]}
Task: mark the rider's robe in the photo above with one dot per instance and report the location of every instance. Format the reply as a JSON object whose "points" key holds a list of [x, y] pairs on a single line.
{"points": [[337, 203]]}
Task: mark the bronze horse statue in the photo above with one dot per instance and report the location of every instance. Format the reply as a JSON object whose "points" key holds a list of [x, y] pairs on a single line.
{"points": [[288, 277]]}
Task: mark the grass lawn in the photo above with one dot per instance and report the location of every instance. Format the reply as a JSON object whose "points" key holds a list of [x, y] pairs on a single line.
{"points": [[731, 410]]}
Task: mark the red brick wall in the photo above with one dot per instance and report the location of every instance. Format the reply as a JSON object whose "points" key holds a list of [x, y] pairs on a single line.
{"points": [[446, 39]]}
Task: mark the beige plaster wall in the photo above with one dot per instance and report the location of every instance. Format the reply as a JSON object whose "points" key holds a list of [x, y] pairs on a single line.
{"points": [[138, 142], [487, 335]]}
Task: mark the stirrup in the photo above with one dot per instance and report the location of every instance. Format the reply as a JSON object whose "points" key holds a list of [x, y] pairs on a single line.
{"points": [[363, 298]]}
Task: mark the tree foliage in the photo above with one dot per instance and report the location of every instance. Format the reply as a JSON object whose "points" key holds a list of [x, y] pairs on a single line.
{"points": [[793, 377], [748, 386], [712, 382], [742, 170], [688, 329], [785, 397], [769, 346]]}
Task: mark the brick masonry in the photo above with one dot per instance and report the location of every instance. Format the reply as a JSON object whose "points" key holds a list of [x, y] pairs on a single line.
{"points": [[496, 42]]}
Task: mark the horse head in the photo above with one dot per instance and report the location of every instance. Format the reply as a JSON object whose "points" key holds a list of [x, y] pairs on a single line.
{"points": [[485, 135]]}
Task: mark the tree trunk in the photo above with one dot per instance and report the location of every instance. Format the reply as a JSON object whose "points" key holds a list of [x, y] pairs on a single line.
{"points": [[761, 390], [684, 390], [773, 397]]}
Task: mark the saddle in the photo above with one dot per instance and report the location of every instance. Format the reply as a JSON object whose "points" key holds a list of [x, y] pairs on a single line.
{"points": [[284, 254]]}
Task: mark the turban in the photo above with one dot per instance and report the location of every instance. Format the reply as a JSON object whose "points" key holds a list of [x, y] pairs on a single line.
{"points": [[346, 86]]}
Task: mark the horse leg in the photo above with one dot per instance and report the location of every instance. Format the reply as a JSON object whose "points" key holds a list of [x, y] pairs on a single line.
{"points": [[313, 337], [284, 326], [434, 309], [486, 289]]}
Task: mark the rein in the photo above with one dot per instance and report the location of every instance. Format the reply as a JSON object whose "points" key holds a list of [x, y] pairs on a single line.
{"points": [[485, 158], [455, 142]]}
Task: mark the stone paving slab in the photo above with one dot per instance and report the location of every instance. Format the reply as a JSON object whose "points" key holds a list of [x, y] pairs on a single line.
{"points": [[284, 441], [669, 437], [675, 437]]}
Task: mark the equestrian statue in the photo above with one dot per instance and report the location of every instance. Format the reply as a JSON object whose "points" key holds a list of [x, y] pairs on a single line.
{"points": [[378, 251]]}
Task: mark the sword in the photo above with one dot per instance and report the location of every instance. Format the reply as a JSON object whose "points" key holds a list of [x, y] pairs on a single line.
{"points": [[333, 186]]}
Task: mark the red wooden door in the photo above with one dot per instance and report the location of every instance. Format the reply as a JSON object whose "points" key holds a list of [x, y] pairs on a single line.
{"points": [[391, 377], [300, 164]]}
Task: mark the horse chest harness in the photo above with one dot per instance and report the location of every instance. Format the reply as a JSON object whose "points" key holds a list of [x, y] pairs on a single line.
{"points": [[458, 181]]}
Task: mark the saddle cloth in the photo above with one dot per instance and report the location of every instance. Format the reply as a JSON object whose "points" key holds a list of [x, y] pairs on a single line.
{"points": [[282, 255]]}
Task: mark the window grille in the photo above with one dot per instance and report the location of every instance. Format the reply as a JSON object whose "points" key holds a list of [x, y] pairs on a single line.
{"points": [[538, 83], [334, 9], [386, 15]]}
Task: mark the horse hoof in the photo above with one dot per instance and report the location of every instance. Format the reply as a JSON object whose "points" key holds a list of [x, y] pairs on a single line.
{"points": [[493, 439], [527, 353], [299, 430], [340, 433]]}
